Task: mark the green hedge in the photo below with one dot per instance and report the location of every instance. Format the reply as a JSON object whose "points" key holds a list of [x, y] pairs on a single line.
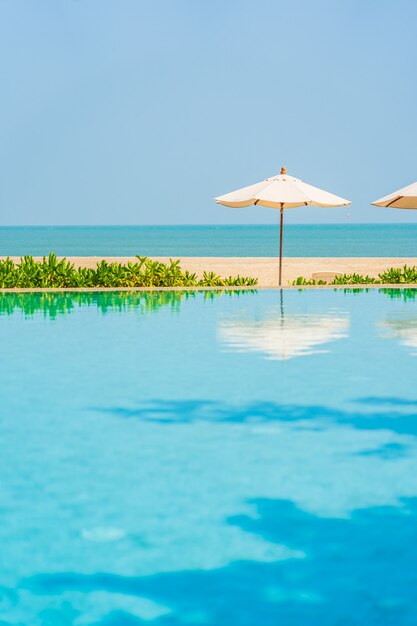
{"points": [[391, 276], [54, 273]]}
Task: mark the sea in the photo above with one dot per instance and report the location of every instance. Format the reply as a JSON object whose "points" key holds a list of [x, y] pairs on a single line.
{"points": [[300, 240]]}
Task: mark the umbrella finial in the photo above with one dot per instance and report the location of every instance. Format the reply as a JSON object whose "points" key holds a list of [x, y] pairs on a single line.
{"points": [[283, 170]]}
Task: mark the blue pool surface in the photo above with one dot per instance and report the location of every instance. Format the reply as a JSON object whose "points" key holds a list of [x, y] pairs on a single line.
{"points": [[224, 459]]}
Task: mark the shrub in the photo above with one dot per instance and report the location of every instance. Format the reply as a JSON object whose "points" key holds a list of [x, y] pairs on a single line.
{"points": [[54, 273], [405, 275]]}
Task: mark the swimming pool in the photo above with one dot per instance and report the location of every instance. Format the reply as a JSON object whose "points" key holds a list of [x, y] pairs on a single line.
{"points": [[236, 459]]}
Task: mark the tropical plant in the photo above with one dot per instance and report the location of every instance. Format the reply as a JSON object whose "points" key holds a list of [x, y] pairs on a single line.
{"points": [[308, 281], [396, 275], [354, 279], [51, 272], [391, 276]]}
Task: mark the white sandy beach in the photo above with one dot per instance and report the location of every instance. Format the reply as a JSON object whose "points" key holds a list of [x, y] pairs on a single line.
{"points": [[266, 268]]}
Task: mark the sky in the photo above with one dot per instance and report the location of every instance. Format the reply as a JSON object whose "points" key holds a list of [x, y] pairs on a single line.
{"points": [[142, 111]]}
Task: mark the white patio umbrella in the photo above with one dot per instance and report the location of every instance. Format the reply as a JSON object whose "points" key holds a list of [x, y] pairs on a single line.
{"points": [[405, 198], [281, 192]]}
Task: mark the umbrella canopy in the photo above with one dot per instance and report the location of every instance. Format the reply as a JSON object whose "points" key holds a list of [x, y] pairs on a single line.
{"points": [[405, 198], [281, 192]]}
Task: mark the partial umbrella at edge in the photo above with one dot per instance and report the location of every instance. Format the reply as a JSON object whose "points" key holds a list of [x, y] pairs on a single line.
{"points": [[405, 198], [281, 192]]}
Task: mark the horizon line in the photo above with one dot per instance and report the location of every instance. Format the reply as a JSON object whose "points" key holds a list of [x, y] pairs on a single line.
{"points": [[402, 223]]}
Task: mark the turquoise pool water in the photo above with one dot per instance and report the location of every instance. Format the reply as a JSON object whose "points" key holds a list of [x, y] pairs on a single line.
{"points": [[219, 459]]}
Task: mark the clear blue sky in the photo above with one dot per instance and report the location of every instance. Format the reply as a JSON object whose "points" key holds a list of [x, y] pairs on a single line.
{"points": [[140, 111]]}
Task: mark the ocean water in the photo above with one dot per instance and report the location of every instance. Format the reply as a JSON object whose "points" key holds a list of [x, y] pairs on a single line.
{"points": [[327, 240], [213, 458]]}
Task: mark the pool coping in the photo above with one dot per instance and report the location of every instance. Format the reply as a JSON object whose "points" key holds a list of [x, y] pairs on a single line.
{"points": [[219, 288]]}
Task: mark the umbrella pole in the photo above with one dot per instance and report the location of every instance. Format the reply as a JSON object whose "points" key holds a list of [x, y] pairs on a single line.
{"points": [[281, 228]]}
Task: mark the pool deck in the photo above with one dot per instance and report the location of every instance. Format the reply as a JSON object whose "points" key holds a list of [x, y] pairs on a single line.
{"points": [[265, 269]]}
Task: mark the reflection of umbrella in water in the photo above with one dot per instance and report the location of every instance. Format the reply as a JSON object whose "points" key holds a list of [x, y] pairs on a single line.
{"points": [[404, 330], [285, 337]]}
